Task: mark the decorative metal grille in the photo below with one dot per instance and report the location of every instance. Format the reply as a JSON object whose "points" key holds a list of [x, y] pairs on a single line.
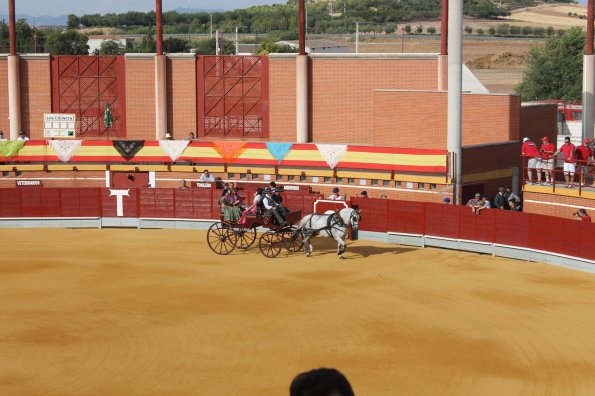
{"points": [[233, 96], [83, 85]]}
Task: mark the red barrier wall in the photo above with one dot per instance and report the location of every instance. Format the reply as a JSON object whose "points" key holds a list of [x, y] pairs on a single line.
{"points": [[539, 232]]}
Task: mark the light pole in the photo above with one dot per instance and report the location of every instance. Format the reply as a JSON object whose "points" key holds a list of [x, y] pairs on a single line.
{"points": [[211, 29], [357, 37]]}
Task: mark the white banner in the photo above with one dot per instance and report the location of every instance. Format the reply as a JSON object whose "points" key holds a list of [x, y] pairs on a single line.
{"points": [[65, 149], [174, 148], [332, 153]]}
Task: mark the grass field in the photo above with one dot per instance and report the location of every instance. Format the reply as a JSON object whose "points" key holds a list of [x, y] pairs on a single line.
{"points": [[131, 312]]}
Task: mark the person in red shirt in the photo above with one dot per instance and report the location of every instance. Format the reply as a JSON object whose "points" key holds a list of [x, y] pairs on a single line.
{"points": [[584, 156], [581, 215], [529, 150], [547, 162], [569, 161]]}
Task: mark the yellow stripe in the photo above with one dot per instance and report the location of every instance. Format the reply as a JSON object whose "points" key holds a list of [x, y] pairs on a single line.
{"points": [[567, 192], [32, 151], [420, 179], [365, 175], [396, 159], [22, 167], [183, 168], [481, 176], [257, 154], [244, 169], [304, 155]]}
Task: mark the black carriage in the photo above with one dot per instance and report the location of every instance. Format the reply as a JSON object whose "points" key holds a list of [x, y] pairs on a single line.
{"points": [[224, 236]]}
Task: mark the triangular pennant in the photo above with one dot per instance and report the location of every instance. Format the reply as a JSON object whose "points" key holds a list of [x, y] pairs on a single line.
{"points": [[65, 149], [128, 148], [174, 148], [332, 153], [229, 150], [10, 148], [279, 150]]}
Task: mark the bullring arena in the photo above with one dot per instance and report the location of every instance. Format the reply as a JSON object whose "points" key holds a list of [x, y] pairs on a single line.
{"points": [[156, 312], [114, 167]]}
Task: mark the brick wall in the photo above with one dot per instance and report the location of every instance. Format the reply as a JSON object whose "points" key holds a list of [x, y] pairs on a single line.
{"points": [[282, 91], [556, 205], [58, 179], [414, 119], [140, 97], [537, 121], [36, 93], [181, 96]]}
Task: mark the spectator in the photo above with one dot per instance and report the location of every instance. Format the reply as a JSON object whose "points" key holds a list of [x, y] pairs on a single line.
{"points": [[446, 200], [22, 136], [321, 382], [584, 156], [277, 195], [335, 196], [516, 206], [206, 177], [511, 196], [547, 162], [486, 201], [191, 137], [501, 200], [581, 215], [475, 203], [529, 150], [2, 137], [363, 194], [184, 185], [569, 161]]}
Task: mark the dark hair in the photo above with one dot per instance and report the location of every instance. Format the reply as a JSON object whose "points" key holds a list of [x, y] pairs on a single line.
{"points": [[273, 184], [336, 189], [320, 382], [259, 190]]}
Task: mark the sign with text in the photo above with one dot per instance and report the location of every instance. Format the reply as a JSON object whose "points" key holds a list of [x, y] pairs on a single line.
{"points": [[59, 125], [29, 183], [203, 185]]}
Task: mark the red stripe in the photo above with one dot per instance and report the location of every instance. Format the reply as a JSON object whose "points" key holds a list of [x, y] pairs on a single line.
{"points": [[319, 164], [389, 150]]}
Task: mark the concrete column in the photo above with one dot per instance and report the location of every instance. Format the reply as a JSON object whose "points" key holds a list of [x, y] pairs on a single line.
{"points": [[455, 88], [301, 73], [588, 95], [160, 96], [14, 97], [442, 72]]}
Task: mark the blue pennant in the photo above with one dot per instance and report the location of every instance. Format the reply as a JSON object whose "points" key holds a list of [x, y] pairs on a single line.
{"points": [[279, 150]]}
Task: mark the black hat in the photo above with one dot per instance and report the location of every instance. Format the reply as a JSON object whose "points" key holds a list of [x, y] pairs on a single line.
{"points": [[336, 189], [279, 189], [267, 190], [364, 193]]}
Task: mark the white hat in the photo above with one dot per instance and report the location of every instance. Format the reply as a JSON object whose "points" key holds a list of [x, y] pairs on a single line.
{"points": [[526, 139]]}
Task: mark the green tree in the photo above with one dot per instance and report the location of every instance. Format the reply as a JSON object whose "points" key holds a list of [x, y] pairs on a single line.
{"points": [[480, 32], [269, 47], [73, 21], [147, 44], [111, 47], [207, 47], [431, 30], [468, 29], [492, 30], [503, 29], [69, 42], [515, 30], [174, 45], [408, 29], [526, 30], [419, 29], [555, 68]]}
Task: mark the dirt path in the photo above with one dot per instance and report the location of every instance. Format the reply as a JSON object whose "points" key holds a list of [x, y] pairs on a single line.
{"points": [[131, 312]]}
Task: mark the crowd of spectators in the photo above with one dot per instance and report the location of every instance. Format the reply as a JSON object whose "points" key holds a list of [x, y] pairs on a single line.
{"points": [[505, 199], [542, 161]]}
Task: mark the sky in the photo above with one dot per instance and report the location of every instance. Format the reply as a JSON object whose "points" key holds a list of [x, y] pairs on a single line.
{"points": [[81, 7]]}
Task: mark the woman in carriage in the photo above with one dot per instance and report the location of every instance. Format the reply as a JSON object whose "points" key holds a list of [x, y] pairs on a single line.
{"points": [[228, 201], [255, 207]]}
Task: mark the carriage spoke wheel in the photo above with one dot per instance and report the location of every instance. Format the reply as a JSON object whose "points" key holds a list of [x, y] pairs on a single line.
{"points": [[245, 237], [270, 244], [221, 238], [292, 242]]}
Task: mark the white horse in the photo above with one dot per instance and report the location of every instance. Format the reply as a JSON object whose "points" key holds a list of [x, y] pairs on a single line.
{"points": [[332, 225]]}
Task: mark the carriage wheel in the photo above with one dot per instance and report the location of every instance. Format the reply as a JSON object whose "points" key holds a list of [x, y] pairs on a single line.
{"points": [[270, 244], [292, 242], [221, 238], [245, 237]]}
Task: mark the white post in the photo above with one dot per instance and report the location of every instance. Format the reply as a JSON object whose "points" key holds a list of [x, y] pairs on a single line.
{"points": [[455, 98], [237, 48], [217, 42], [302, 98], [588, 96], [357, 37], [160, 97], [211, 25], [14, 97]]}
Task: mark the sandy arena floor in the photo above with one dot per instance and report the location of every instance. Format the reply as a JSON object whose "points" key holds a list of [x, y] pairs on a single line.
{"points": [[130, 312]]}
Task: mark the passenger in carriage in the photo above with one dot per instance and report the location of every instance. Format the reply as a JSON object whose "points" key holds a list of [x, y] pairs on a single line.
{"points": [[230, 211], [335, 196], [256, 206], [273, 207]]}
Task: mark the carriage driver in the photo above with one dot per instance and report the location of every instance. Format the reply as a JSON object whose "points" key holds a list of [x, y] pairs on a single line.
{"points": [[275, 208]]}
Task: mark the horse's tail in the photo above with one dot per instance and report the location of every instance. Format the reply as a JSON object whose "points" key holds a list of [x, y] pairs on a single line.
{"points": [[300, 227]]}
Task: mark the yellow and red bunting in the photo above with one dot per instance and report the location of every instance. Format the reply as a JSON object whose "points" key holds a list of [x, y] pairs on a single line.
{"points": [[254, 154]]}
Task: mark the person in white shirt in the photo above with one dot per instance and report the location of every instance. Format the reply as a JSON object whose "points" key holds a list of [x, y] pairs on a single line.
{"points": [[22, 136], [335, 196], [272, 206], [206, 177]]}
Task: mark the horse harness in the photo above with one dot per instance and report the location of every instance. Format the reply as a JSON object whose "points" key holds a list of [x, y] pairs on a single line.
{"points": [[334, 221]]}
